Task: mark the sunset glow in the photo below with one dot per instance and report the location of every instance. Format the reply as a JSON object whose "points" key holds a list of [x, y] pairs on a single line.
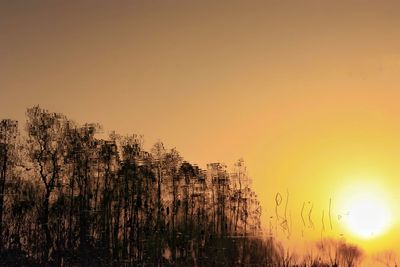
{"points": [[304, 94], [367, 213]]}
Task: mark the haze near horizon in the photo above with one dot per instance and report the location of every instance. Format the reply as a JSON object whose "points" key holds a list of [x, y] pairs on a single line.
{"points": [[305, 91]]}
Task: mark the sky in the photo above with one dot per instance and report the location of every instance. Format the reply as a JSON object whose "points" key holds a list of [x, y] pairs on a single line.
{"points": [[305, 91]]}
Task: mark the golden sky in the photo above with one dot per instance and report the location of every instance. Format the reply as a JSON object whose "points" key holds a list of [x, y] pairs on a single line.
{"points": [[305, 91]]}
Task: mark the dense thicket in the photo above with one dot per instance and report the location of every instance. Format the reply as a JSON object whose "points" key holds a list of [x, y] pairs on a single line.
{"points": [[68, 198]]}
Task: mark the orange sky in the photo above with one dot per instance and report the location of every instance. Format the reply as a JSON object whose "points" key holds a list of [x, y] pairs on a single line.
{"points": [[306, 91]]}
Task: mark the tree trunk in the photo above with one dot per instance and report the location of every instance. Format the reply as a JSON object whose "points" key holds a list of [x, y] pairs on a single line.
{"points": [[46, 229]]}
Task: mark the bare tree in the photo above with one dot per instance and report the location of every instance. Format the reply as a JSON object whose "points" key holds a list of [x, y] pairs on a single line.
{"points": [[387, 257], [46, 144], [349, 255], [329, 250]]}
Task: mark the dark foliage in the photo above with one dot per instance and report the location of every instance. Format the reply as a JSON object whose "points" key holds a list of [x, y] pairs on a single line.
{"points": [[68, 198], [71, 199]]}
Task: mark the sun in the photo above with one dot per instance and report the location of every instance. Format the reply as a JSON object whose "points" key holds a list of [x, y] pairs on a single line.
{"points": [[367, 213], [367, 217]]}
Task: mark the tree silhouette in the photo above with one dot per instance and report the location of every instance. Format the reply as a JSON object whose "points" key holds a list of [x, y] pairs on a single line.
{"points": [[46, 144], [8, 136], [69, 198]]}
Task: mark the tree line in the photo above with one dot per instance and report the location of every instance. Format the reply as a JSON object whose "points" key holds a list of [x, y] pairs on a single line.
{"points": [[69, 198]]}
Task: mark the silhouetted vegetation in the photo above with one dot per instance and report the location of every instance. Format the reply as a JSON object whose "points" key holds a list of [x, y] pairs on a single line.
{"points": [[68, 198]]}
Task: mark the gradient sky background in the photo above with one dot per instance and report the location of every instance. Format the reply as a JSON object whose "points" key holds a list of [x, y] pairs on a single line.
{"points": [[305, 91]]}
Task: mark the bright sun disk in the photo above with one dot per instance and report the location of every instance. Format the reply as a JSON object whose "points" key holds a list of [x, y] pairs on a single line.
{"points": [[367, 213]]}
